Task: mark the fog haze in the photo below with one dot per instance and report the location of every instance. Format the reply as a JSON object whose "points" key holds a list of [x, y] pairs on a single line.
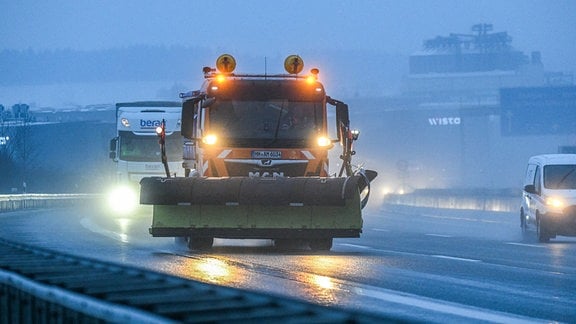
{"points": [[270, 27]]}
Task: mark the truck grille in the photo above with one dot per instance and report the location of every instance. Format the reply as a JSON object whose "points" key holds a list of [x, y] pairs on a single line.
{"points": [[289, 169]]}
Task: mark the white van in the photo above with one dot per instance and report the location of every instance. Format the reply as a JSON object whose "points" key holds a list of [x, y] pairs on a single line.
{"points": [[549, 196]]}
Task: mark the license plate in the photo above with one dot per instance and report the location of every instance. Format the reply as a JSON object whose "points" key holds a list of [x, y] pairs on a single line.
{"points": [[266, 154]]}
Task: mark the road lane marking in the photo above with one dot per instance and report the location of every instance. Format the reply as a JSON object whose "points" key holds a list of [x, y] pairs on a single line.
{"points": [[381, 230], [364, 247], [454, 258], [357, 246], [92, 227], [438, 235], [524, 244], [439, 256], [445, 307]]}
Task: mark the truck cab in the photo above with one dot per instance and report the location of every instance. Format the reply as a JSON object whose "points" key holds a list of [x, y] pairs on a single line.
{"points": [[250, 126]]}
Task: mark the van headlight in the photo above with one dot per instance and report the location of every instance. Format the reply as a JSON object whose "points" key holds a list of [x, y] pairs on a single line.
{"points": [[555, 202]]}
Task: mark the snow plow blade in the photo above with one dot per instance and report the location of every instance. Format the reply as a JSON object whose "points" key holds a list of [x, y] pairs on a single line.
{"points": [[246, 207]]}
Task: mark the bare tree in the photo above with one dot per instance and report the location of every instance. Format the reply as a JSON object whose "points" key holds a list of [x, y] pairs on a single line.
{"points": [[17, 150]]}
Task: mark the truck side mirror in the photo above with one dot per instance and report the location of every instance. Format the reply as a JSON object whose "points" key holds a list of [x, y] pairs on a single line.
{"points": [[188, 115], [342, 118], [531, 189], [208, 102], [113, 148]]}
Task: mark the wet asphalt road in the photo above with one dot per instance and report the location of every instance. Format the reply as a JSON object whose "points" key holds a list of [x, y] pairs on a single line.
{"points": [[425, 264]]}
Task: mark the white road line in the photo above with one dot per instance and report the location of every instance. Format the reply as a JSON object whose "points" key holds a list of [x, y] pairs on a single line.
{"points": [[364, 247], [444, 306], [380, 230], [524, 244], [357, 246], [454, 258], [92, 227], [438, 235]]}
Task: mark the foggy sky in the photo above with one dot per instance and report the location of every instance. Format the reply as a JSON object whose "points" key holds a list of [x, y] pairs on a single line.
{"points": [[264, 27]]}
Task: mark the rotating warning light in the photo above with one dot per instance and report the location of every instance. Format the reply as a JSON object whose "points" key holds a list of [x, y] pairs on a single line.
{"points": [[226, 63], [220, 78], [313, 77], [293, 64]]}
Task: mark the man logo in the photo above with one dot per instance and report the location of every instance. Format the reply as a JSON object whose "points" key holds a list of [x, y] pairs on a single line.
{"points": [[266, 162], [266, 174]]}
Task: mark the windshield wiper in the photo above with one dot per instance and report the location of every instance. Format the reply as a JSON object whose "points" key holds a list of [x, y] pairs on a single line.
{"points": [[278, 122], [565, 177]]}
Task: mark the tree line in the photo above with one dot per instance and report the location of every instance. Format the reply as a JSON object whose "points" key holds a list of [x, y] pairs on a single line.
{"points": [[138, 63], [367, 71]]}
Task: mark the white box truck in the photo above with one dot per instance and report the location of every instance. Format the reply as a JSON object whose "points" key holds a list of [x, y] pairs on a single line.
{"points": [[136, 150]]}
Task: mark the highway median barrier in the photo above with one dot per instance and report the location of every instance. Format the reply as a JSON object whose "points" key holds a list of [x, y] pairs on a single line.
{"points": [[498, 200], [33, 201]]}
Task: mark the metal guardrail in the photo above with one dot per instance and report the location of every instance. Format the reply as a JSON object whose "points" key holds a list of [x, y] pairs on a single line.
{"points": [[42, 286], [504, 200], [26, 201]]}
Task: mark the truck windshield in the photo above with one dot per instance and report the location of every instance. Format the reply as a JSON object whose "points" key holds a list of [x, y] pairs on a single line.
{"points": [[278, 122], [560, 176], [140, 148]]}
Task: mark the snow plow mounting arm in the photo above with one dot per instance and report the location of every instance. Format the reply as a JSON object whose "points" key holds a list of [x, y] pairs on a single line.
{"points": [[345, 135]]}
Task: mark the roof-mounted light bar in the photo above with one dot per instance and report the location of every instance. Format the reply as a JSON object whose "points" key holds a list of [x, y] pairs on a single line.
{"points": [[226, 64]]}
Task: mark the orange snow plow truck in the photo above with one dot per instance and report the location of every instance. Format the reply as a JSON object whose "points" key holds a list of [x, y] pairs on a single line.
{"points": [[256, 163]]}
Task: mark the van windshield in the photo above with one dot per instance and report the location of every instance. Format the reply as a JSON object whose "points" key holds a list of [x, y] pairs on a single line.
{"points": [[560, 176]]}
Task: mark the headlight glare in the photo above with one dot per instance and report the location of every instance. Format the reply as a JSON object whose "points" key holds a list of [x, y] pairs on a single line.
{"points": [[555, 202], [323, 141], [122, 200], [210, 139]]}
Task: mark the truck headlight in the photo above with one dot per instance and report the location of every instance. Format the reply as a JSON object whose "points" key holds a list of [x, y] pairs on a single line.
{"points": [[323, 141], [210, 139], [122, 200]]}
